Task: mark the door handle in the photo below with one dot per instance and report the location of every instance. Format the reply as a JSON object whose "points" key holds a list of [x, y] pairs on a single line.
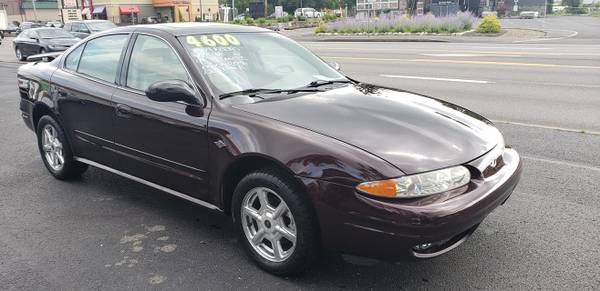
{"points": [[123, 110]]}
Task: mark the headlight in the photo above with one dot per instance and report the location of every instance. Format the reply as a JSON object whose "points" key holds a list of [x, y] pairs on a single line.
{"points": [[418, 185]]}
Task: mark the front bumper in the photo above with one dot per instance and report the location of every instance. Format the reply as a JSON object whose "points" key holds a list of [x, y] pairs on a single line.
{"points": [[360, 225]]}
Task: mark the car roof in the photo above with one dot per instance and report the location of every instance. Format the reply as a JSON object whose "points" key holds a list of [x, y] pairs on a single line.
{"points": [[187, 28], [44, 28], [88, 20]]}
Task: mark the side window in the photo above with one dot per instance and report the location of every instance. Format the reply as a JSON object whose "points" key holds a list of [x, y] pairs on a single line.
{"points": [[67, 26], [76, 27], [100, 58], [152, 60], [83, 28], [72, 59]]}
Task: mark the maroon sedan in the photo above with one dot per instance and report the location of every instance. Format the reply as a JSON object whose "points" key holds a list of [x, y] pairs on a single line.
{"points": [[249, 123]]}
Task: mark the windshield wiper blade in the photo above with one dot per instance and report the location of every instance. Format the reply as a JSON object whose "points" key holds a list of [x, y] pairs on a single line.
{"points": [[318, 83], [253, 92]]}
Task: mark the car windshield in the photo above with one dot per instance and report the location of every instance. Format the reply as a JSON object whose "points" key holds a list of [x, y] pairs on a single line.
{"points": [[100, 25], [53, 33], [238, 62]]}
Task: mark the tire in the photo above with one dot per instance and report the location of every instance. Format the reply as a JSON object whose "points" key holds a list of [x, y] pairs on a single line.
{"points": [[56, 151], [19, 54], [299, 219]]}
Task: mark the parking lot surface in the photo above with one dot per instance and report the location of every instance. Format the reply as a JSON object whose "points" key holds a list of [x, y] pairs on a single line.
{"points": [[106, 232]]}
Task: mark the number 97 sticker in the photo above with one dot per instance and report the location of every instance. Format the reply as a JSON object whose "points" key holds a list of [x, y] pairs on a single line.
{"points": [[212, 40]]}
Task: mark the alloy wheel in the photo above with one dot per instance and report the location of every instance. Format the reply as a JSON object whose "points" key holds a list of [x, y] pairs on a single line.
{"points": [[53, 148], [19, 54], [268, 224]]}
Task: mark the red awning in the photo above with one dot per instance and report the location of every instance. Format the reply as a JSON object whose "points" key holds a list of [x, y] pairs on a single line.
{"points": [[126, 9]]}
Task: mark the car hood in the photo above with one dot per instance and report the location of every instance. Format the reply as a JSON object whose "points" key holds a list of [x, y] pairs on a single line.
{"points": [[413, 132]]}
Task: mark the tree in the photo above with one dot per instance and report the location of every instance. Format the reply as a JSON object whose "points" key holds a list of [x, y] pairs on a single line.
{"points": [[571, 3]]}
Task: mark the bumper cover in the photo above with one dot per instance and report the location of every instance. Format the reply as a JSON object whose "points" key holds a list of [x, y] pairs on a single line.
{"points": [[360, 225]]}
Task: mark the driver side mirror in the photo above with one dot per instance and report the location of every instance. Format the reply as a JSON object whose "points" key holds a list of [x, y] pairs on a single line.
{"points": [[334, 65], [172, 91]]}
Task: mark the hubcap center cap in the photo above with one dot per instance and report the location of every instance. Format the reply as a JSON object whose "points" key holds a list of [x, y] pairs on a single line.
{"points": [[267, 224]]}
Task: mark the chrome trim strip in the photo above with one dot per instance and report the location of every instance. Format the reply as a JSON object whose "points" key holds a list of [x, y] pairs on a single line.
{"points": [[141, 152], [148, 183]]}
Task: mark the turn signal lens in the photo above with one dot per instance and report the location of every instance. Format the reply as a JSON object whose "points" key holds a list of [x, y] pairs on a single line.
{"points": [[418, 185]]}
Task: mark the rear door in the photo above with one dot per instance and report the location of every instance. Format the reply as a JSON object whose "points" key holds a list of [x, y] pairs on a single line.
{"points": [[85, 85], [159, 141]]}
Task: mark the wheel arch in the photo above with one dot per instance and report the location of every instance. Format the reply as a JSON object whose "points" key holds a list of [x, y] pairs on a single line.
{"points": [[40, 109], [242, 166]]}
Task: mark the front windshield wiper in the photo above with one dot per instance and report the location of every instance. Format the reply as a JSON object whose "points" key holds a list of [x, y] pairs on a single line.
{"points": [[254, 92], [318, 83]]}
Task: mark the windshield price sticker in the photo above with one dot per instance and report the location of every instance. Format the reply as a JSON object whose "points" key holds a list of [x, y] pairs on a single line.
{"points": [[212, 40]]}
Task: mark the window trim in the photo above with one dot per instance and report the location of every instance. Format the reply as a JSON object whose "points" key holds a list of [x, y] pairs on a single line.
{"points": [[125, 70], [127, 59], [91, 78]]}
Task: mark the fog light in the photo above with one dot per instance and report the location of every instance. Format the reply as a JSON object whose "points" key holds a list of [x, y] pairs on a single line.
{"points": [[422, 247]]}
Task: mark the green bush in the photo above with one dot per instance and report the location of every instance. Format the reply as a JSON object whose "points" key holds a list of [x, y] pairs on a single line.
{"points": [[301, 18], [329, 17], [489, 24], [576, 10], [261, 21], [250, 21]]}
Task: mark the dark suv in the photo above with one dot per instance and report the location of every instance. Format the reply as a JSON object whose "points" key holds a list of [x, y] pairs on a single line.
{"points": [[83, 28]]}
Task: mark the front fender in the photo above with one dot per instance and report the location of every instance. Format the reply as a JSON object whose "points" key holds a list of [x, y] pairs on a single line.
{"points": [[233, 133]]}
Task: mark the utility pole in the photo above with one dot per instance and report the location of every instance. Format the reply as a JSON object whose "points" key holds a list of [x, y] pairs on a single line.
{"points": [[34, 10], [266, 8]]}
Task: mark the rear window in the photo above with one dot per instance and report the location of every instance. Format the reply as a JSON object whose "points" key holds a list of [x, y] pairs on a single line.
{"points": [[100, 58]]}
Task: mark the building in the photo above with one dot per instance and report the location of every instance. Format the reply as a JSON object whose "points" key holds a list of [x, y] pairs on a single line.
{"points": [[121, 11], [23, 10], [117, 11], [376, 7]]}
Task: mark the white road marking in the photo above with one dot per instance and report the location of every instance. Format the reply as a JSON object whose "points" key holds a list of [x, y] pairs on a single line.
{"points": [[548, 127], [484, 54], [437, 79], [562, 163], [451, 55], [572, 34]]}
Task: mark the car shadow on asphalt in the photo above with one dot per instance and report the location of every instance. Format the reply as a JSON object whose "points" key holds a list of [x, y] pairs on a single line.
{"points": [[332, 270]]}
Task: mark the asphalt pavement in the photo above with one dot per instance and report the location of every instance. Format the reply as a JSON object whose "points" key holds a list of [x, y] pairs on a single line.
{"points": [[108, 233]]}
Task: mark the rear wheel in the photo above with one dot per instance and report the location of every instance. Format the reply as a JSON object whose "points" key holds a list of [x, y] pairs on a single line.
{"points": [[275, 222], [19, 54], [55, 150]]}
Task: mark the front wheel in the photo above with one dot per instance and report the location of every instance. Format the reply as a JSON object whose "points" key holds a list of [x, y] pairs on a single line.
{"points": [[275, 222]]}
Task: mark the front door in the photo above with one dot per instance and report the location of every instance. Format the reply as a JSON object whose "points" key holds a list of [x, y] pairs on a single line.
{"points": [[84, 86], [159, 142]]}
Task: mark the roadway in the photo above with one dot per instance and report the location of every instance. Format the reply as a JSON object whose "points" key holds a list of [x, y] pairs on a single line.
{"points": [[105, 232]]}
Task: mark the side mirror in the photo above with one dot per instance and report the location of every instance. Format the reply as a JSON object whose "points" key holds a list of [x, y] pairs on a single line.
{"points": [[334, 65], [172, 91]]}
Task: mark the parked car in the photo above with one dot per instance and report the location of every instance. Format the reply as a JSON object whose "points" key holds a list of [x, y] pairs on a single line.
{"points": [[83, 28], [307, 12], [42, 40], [249, 123], [11, 28], [529, 14], [27, 25], [56, 24]]}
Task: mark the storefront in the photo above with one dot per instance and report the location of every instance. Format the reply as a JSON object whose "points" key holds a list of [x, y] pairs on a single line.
{"points": [[129, 14], [173, 10]]}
